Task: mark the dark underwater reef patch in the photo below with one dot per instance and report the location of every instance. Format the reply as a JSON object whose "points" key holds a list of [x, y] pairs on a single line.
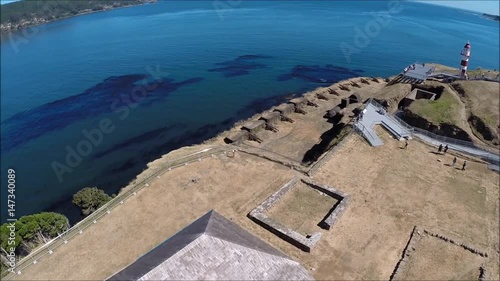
{"points": [[262, 104], [153, 134], [105, 97], [240, 65], [119, 175], [317, 74]]}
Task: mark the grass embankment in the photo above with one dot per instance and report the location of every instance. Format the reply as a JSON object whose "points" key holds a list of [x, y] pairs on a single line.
{"points": [[482, 98], [471, 72], [444, 110]]}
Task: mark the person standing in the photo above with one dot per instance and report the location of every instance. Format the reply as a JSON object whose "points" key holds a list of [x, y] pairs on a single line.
{"points": [[445, 149], [454, 161], [463, 166], [440, 148], [406, 144]]}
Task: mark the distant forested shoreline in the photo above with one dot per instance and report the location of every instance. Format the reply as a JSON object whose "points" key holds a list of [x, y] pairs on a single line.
{"points": [[492, 17], [23, 14]]}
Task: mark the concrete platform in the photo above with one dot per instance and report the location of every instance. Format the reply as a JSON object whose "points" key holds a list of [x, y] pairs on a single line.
{"points": [[374, 114]]}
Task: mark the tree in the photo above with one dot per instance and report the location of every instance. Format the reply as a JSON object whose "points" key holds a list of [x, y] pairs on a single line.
{"points": [[30, 231], [90, 199]]}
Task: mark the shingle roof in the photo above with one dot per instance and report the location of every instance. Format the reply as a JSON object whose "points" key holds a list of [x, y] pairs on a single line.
{"points": [[213, 248]]}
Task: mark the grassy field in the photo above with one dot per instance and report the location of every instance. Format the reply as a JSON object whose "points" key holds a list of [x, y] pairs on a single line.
{"points": [[302, 208], [444, 110], [471, 72]]}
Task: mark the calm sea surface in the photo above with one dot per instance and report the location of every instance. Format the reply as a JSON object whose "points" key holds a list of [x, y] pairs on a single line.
{"points": [[88, 101]]}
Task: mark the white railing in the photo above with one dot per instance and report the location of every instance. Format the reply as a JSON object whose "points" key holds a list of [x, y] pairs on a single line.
{"points": [[392, 116], [93, 218], [487, 149], [362, 129], [458, 142]]}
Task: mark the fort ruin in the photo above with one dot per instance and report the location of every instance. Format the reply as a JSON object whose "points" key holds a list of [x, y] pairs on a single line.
{"points": [[351, 226], [265, 216]]}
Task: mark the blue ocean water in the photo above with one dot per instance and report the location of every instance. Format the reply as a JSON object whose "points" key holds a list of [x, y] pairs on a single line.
{"points": [[88, 101]]}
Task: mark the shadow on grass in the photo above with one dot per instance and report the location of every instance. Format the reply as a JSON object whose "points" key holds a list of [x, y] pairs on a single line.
{"points": [[329, 139]]}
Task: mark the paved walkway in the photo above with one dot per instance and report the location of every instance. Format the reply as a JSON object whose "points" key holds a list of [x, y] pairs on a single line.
{"points": [[492, 158], [374, 114]]}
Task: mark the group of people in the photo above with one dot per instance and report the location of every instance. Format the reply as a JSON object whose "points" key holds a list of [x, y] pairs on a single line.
{"points": [[444, 150], [409, 67], [440, 148], [455, 162]]}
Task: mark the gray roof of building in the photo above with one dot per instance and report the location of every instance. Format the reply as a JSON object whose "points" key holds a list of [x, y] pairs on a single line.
{"points": [[213, 248]]}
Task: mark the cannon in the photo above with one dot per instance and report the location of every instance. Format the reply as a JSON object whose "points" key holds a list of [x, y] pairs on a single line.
{"points": [[310, 103], [321, 97], [300, 110], [286, 119], [254, 137], [270, 127], [354, 84], [345, 88]]}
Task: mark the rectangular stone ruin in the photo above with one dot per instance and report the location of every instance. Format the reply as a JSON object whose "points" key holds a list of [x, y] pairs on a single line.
{"points": [[237, 137], [422, 94], [254, 126], [285, 109], [305, 243], [425, 247], [271, 117]]}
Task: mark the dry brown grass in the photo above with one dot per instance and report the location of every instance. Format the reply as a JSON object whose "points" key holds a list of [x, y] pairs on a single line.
{"points": [[483, 99], [435, 259], [391, 189]]}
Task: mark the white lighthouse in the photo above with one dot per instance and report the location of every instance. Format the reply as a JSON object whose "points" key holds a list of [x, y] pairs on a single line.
{"points": [[465, 60]]}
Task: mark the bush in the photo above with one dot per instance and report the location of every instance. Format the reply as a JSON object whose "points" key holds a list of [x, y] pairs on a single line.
{"points": [[90, 199]]}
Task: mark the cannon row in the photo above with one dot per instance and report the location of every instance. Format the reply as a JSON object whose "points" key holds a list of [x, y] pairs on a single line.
{"points": [[268, 120]]}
